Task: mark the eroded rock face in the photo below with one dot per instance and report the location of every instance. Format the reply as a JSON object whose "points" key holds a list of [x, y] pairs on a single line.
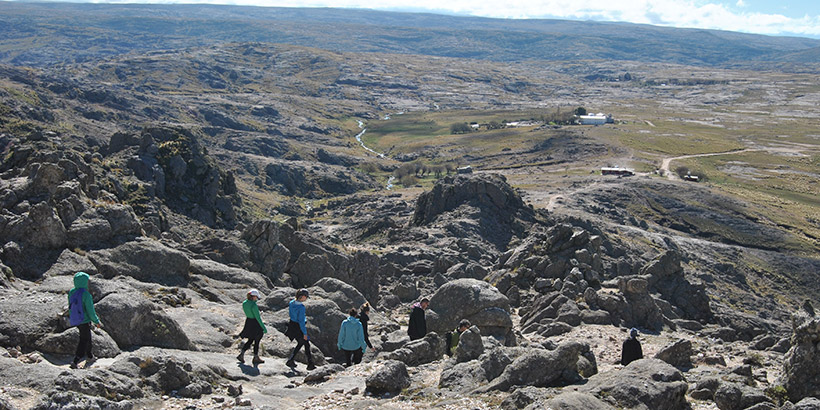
{"points": [[802, 362], [479, 302], [425, 350], [146, 260]]}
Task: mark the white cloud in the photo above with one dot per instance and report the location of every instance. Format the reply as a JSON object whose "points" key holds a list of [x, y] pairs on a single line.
{"points": [[740, 3]]}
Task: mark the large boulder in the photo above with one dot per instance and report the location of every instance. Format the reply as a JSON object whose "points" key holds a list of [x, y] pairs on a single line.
{"points": [[425, 350], [146, 260], [478, 301], [324, 318], [132, 320], [390, 377], [678, 353], [573, 401], [344, 295], [218, 271], [65, 343], [542, 368], [801, 374], [267, 255], [28, 317], [465, 376], [645, 383], [470, 345], [737, 396]]}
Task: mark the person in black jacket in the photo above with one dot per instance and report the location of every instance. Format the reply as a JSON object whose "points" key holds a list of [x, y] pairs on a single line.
{"points": [[417, 327], [632, 348], [364, 318]]}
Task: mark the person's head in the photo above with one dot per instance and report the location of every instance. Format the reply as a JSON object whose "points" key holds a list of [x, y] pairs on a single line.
{"points": [[365, 308], [253, 294], [633, 333], [302, 295], [424, 303], [463, 325], [81, 280], [352, 312]]}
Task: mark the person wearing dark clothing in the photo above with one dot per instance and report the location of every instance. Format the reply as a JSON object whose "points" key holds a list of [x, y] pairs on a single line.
{"points": [[297, 329], [254, 328], [82, 314], [417, 327], [351, 339], [365, 318], [632, 348]]}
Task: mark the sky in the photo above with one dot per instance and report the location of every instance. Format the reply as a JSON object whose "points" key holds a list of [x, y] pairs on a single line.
{"points": [[773, 17]]}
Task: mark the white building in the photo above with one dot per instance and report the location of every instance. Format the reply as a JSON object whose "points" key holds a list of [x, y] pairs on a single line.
{"points": [[596, 119]]}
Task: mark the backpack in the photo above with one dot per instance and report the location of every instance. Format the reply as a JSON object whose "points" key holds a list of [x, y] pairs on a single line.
{"points": [[76, 312]]}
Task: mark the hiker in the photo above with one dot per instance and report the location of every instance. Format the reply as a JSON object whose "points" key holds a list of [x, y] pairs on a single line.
{"points": [[365, 319], [351, 339], [453, 337], [297, 329], [417, 327], [82, 314], [632, 348], [254, 328]]}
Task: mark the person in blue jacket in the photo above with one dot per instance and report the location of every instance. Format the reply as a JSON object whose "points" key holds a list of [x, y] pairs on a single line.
{"points": [[351, 339], [297, 329], [254, 327], [82, 314]]}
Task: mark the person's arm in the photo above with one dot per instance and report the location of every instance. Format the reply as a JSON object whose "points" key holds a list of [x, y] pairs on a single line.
{"points": [[341, 337], [366, 336], [301, 315], [640, 350], [88, 306], [258, 317]]}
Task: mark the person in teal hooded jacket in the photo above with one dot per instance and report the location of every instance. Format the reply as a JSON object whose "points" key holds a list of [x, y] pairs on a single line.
{"points": [[82, 314], [254, 327], [351, 339]]}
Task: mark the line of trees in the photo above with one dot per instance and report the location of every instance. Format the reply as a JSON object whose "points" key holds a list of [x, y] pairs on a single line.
{"points": [[409, 173]]}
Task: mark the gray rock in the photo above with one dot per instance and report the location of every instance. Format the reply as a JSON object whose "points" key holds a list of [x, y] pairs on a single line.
{"points": [[390, 377], [323, 373], [309, 268], [736, 396], [65, 343], [809, 403], [145, 259], [196, 389], [479, 302], [678, 353], [218, 271], [425, 350], [70, 263], [801, 374], [29, 317], [646, 382], [541, 368], [132, 320], [344, 295], [523, 397], [470, 345], [575, 401]]}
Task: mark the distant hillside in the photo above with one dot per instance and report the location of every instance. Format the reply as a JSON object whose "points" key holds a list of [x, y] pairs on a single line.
{"points": [[42, 34]]}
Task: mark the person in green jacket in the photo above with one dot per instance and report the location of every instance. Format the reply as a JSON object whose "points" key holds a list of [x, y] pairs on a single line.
{"points": [[82, 314], [454, 336], [351, 339], [254, 328]]}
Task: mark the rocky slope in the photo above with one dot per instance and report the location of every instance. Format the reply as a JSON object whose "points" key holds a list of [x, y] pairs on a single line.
{"points": [[179, 179]]}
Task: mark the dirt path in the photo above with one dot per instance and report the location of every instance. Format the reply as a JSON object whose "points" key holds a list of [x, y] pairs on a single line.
{"points": [[798, 148]]}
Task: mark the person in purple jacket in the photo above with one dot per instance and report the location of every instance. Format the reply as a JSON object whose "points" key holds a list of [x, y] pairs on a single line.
{"points": [[297, 329]]}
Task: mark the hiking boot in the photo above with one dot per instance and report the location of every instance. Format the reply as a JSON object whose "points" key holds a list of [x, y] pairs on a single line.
{"points": [[75, 364], [290, 363], [257, 360], [311, 366], [89, 362], [241, 357]]}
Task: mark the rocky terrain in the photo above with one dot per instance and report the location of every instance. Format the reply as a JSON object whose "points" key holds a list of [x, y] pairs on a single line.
{"points": [[180, 178]]}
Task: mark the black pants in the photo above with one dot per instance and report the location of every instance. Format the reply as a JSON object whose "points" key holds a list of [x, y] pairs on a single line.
{"points": [[300, 341], [84, 346], [255, 346], [355, 355]]}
